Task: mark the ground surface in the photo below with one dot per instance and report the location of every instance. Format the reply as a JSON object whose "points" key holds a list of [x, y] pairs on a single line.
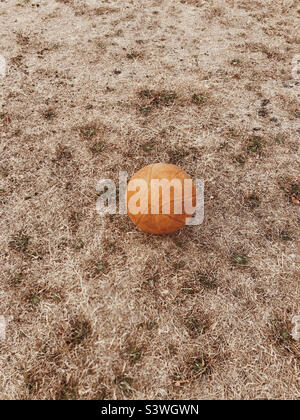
{"points": [[98, 309]]}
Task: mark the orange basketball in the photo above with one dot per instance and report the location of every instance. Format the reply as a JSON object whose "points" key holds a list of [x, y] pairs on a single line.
{"points": [[160, 198]]}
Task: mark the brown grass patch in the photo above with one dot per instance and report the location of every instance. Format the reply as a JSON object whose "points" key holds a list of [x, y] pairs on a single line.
{"points": [[95, 308]]}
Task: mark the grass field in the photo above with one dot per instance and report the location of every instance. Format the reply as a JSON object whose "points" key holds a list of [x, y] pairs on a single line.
{"points": [[95, 308]]}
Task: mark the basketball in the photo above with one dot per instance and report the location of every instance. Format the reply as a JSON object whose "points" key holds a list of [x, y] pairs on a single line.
{"points": [[160, 198]]}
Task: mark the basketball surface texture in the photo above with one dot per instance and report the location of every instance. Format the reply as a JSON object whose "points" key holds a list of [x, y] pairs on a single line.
{"points": [[170, 213]]}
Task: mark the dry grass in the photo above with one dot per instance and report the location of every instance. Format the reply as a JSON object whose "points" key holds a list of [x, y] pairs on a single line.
{"points": [[100, 309]]}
